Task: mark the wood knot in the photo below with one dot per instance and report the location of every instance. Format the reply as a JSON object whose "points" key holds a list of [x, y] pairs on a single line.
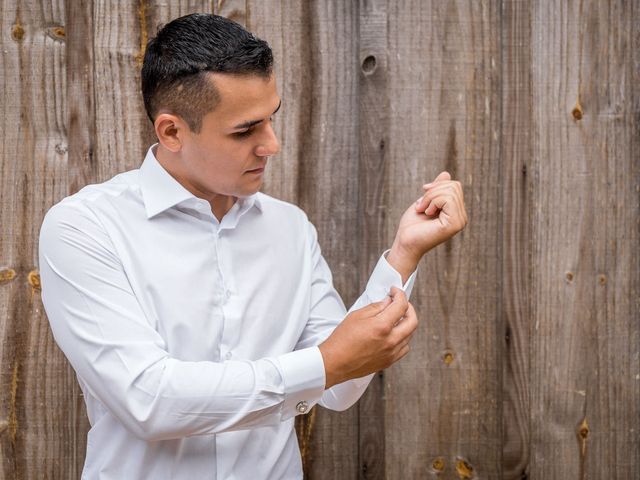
{"points": [[569, 277], [7, 274], [602, 279], [583, 429], [61, 149], [464, 469], [577, 111], [17, 32], [448, 358], [438, 464], [34, 279], [57, 33]]}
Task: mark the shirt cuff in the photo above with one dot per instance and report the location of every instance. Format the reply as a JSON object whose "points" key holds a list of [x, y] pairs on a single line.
{"points": [[304, 380], [384, 277]]}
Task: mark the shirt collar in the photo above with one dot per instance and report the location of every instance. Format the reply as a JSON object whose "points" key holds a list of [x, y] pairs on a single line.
{"points": [[160, 191]]}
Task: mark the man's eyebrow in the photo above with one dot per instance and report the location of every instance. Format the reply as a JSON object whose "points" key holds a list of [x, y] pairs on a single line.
{"points": [[251, 123]]}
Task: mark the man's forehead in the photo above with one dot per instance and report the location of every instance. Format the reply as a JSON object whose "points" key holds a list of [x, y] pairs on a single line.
{"points": [[245, 97], [243, 88]]}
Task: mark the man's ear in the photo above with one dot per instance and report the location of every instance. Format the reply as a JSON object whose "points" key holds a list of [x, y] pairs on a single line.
{"points": [[170, 130]]}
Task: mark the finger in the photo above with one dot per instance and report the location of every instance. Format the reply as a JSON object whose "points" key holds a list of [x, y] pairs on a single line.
{"points": [[435, 200], [442, 176], [406, 328], [449, 191], [397, 309], [375, 308], [423, 202], [401, 353]]}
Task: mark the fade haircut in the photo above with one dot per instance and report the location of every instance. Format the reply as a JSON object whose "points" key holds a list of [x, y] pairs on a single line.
{"points": [[177, 62]]}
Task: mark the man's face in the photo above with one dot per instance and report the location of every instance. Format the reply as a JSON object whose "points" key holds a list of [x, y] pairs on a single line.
{"points": [[229, 154]]}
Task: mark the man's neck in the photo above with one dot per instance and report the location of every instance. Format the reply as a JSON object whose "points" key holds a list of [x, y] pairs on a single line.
{"points": [[220, 204]]}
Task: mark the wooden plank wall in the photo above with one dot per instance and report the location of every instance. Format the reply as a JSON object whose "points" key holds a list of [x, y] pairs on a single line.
{"points": [[527, 360]]}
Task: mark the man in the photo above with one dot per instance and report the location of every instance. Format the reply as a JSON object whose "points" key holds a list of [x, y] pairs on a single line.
{"points": [[198, 313]]}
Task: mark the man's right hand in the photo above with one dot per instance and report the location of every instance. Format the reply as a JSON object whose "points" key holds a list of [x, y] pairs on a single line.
{"points": [[369, 339]]}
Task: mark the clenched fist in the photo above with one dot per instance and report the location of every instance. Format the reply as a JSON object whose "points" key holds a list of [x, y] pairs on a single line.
{"points": [[435, 217]]}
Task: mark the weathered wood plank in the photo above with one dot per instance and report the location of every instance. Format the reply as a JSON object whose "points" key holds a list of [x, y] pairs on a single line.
{"points": [[39, 396], [517, 214], [586, 283], [443, 398], [236, 10], [372, 205], [328, 191]]}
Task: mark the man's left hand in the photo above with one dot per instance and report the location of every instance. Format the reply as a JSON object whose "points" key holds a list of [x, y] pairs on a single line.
{"points": [[434, 218]]}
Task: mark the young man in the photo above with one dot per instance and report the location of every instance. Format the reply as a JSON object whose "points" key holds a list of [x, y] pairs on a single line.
{"points": [[198, 313]]}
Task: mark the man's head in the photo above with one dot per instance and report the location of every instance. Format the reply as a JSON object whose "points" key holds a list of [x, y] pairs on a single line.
{"points": [[209, 89], [176, 62]]}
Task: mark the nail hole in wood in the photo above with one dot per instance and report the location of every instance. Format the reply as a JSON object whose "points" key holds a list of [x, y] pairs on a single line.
{"points": [[369, 64]]}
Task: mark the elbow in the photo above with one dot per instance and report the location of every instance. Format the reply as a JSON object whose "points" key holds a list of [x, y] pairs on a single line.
{"points": [[151, 420], [151, 430]]}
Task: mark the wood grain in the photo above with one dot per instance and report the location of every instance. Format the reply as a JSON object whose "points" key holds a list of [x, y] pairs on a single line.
{"points": [[517, 208], [373, 204], [39, 397], [328, 192], [443, 399], [585, 403], [527, 360]]}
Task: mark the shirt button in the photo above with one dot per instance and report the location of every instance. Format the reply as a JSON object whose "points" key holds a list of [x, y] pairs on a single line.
{"points": [[228, 355], [302, 407]]}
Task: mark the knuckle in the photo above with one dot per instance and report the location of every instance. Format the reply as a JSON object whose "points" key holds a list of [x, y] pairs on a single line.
{"points": [[389, 345], [383, 330]]}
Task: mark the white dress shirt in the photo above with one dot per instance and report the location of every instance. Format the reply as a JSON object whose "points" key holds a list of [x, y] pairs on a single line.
{"points": [[194, 341]]}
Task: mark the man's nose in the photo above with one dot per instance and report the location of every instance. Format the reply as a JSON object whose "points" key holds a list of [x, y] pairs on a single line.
{"points": [[269, 145]]}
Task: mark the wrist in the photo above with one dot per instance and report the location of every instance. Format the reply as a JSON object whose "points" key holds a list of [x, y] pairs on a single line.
{"points": [[403, 260], [331, 377]]}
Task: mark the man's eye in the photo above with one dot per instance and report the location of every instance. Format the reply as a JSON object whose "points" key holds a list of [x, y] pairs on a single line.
{"points": [[244, 133]]}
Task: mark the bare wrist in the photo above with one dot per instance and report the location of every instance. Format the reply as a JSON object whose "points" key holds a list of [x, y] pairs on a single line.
{"points": [[331, 378], [403, 261]]}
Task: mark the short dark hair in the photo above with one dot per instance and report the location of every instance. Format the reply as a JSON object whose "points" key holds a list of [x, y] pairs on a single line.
{"points": [[177, 62]]}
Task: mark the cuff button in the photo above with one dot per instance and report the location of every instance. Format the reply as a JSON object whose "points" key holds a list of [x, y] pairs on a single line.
{"points": [[302, 407]]}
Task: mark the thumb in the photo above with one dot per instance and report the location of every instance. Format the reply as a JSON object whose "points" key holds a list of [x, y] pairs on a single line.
{"points": [[375, 308], [442, 176]]}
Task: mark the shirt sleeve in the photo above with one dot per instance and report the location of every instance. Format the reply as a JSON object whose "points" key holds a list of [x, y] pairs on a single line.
{"points": [[123, 361], [328, 310]]}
